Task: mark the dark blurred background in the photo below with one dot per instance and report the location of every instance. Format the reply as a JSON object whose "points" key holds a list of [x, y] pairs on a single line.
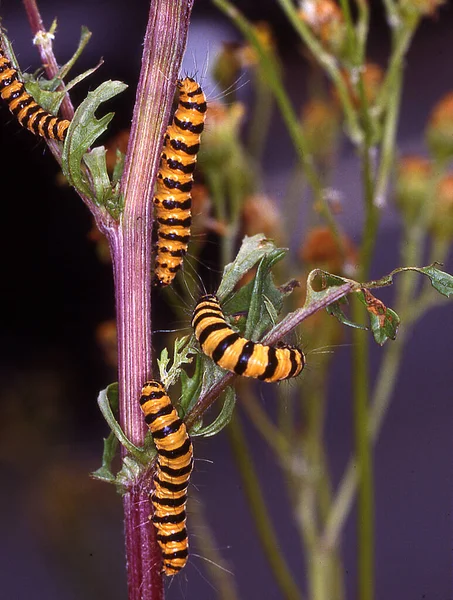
{"points": [[62, 532]]}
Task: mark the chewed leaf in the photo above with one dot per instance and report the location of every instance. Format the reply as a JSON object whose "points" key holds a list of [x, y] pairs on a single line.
{"points": [[384, 321], [249, 299], [252, 250], [85, 128]]}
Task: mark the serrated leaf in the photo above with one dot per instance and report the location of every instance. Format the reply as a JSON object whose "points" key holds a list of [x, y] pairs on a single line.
{"points": [[252, 250], [223, 418], [441, 281], [182, 355], [129, 473], [85, 128]]}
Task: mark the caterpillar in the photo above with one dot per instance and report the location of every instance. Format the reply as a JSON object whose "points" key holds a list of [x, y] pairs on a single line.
{"points": [[24, 108], [173, 200], [237, 354], [174, 465]]}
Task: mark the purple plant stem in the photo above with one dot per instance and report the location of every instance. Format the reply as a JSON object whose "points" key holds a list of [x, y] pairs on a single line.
{"points": [[131, 245]]}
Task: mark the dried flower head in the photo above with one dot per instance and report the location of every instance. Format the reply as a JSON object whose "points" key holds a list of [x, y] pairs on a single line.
{"points": [[321, 127], [227, 64], [260, 214], [320, 249], [327, 22], [439, 132], [372, 77], [442, 216], [412, 185], [248, 55]]}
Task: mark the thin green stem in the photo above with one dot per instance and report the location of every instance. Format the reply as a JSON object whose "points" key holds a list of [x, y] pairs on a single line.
{"points": [[263, 524], [329, 64], [261, 117], [204, 541], [365, 504], [261, 421]]}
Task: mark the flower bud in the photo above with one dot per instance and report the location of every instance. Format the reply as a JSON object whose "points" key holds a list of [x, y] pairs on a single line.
{"points": [[227, 65], [420, 7], [320, 249], [442, 216], [412, 185], [326, 20], [439, 132], [260, 214], [321, 128]]}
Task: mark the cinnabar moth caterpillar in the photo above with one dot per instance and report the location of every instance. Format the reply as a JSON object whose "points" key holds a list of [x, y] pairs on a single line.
{"points": [[174, 465], [237, 354], [24, 108], [174, 181]]}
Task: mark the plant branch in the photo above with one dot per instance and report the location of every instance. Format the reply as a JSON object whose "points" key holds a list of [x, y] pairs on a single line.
{"points": [[278, 332], [131, 244]]}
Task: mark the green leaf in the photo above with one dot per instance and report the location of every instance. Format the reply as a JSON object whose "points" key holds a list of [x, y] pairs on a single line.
{"points": [[119, 167], [441, 281], [104, 473], [95, 161], [106, 409], [85, 128], [182, 355], [223, 418], [49, 100], [191, 386], [252, 250], [334, 309]]}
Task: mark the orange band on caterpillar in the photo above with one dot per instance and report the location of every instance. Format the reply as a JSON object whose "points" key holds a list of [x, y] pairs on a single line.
{"points": [[173, 199], [237, 354], [23, 106], [174, 465]]}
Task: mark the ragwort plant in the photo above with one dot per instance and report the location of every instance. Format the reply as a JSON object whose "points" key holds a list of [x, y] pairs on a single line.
{"points": [[367, 102]]}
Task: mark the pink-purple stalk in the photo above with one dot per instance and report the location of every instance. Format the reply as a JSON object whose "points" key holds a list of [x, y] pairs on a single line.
{"points": [[130, 245]]}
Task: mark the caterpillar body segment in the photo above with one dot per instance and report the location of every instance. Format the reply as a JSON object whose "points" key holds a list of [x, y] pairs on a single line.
{"points": [[22, 105], [235, 353], [173, 199], [171, 479]]}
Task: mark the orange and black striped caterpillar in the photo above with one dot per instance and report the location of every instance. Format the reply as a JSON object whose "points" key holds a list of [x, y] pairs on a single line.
{"points": [[24, 108], [237, 354], [174, 465], [174, 181]]}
